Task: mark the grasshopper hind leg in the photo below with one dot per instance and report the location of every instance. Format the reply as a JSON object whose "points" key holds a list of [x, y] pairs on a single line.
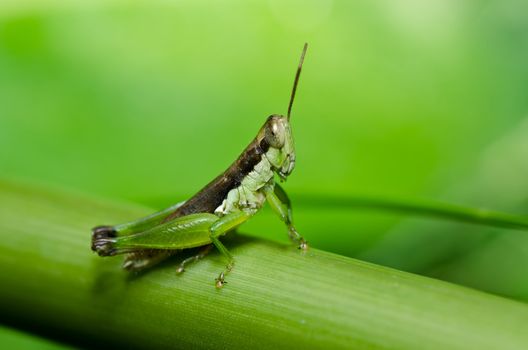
{"points": [[103, 239], [151, 246], [142, 259], [102, 236], [201, 254]]}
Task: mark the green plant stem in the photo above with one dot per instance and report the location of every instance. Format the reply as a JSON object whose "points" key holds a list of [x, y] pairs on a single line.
{"points": [[419, 207], [276, 298], [14, 339]]}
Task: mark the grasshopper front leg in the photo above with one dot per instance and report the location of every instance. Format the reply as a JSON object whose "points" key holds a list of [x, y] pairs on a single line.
{"points": [[201, 254], [280, 203]]}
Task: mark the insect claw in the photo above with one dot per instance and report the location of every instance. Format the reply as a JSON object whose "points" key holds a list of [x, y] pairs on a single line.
{"points": [[180, 269], [220, 282], [303, 245], [128, 265]]}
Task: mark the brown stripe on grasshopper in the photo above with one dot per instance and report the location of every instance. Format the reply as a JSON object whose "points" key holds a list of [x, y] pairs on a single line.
{"points": [[213, 194]]}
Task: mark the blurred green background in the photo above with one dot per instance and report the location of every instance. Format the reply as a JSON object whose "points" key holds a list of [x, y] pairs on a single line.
{"points": [[147, 101]]}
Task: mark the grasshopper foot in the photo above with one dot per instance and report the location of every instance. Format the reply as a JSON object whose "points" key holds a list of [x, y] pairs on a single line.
{"points": [[220, 281], [303, 245], [201, 254], [296, 237]]}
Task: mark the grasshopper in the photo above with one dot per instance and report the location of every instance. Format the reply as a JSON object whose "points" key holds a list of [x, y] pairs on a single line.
{"points": [[221, 206]]}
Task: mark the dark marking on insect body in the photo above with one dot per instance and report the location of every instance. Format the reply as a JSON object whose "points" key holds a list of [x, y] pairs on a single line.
{"points": [[212, 195], [251, 157], [100, 234], [105, 231]]}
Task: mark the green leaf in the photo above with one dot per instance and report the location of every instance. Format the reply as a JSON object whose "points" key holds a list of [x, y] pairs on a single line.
{"points": [[276, 298], [12, 339]]}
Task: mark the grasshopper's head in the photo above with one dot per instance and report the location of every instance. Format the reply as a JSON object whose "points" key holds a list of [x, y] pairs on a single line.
{"points": [[276, 137]]}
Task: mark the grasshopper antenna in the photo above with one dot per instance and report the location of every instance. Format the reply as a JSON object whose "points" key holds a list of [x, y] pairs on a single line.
{"points": [[292, 97]]}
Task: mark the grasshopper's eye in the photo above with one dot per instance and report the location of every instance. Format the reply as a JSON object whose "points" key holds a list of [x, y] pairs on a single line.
{"points": [[275, 134]]}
